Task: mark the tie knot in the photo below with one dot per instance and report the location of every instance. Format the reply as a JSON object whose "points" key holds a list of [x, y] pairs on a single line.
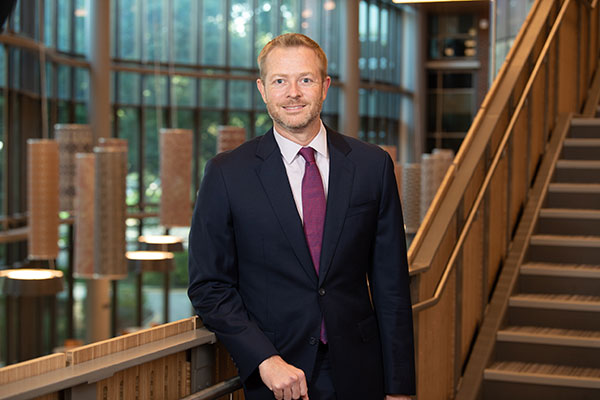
{"points": [[308, 153]]}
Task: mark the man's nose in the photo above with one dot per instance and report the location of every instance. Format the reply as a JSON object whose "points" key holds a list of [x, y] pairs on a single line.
{"points": [[294, 90]]}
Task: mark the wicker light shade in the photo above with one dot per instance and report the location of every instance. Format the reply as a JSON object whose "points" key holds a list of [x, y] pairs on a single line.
{"points": [[109, 213], [230, 137], [85, 177], [443, 160], [118, 143], [72, 139], [32, 282], [148, 261], [168, 243], [411, 196], [428, 184], [175, 177], [42, 198]]}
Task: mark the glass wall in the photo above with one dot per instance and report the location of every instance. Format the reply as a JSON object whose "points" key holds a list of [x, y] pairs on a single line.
{"points": [[178, 64]]}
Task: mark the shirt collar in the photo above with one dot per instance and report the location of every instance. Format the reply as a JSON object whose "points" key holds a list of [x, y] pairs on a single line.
{"points": [[289, 150]]}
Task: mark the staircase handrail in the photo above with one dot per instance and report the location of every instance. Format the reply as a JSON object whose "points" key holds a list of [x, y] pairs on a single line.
{"points": [[500, 152]]}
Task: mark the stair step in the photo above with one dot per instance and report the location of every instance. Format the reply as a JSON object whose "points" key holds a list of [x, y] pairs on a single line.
{"points": [[585, 127], [578, 164], [561, 270], [569, 213], [565, 240], [574, 188], [544, 374], [577, 171], [550, 336], [573, 195], [556, 302], [581, 148]]}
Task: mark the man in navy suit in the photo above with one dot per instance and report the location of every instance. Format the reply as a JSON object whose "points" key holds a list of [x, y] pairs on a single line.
{"points": [[297, 255]]}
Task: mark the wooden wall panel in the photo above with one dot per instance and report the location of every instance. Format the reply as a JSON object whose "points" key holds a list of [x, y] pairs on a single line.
{"points": [[567, 100], [498, 133], [537, 105], [497, 223], [472, 276], [435, 347]]}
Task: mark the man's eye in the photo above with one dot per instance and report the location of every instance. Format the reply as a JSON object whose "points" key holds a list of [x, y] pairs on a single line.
{"points": [[306, 80], [278, 81]]}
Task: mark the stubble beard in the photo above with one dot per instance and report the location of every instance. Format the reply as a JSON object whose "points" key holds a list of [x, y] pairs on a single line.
{"points": [[300, 125]]}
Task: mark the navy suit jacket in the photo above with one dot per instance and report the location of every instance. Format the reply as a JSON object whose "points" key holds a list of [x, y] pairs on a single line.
{"points": [[253, 283]]}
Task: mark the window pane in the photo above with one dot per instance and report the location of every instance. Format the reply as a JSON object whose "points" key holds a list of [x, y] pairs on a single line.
{"points": [[457, 111], [185, 26], [209, 126], [64, 82], [212, 93], [64, 24], [129, 88], [213, 33], [82, 84], [128, 38], [184, 91], [155, 90], [49, 23], [155, 30], [240, 119], [129, 128], [153, 122], [239, 94], [289, 16], [81, 15], [266, 22], [240, 29]]}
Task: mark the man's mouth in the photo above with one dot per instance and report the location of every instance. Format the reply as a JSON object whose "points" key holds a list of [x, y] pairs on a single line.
{"points": [[294, 107]]}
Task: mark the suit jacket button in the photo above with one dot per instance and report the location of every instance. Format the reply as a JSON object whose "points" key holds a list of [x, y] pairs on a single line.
{"points": [[313, 341], [322, 292]]}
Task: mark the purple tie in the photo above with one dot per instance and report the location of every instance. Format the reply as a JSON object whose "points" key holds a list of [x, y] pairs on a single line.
{"points": [[313, 210]]}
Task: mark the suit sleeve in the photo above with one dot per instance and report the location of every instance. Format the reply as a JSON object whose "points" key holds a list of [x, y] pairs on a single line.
{"points": [[213, 272], [390, 289]]}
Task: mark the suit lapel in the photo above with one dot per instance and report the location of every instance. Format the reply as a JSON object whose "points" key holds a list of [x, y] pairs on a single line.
{"points": [[341, 175], [275, 182]]}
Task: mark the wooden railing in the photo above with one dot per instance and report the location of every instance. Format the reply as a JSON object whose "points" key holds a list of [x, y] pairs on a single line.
{"points": [[170, 361], [457, 253]]}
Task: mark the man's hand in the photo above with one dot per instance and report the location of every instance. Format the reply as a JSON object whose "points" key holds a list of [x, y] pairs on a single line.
{"points": [[396, 397], [284, 380]]}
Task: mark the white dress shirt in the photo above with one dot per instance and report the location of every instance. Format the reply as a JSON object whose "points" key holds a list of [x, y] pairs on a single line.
{"points": [[295, 163]]}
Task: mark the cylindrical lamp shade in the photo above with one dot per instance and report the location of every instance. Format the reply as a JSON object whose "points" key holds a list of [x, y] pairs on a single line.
{"points": [[118, 143], [42, 198], [72, 139], [32, 282], [85, 177], [151, 261], [443, 161], [411, 196], [428, 184], [168, 243], [230, 137], [175, 177], [109, 213]]}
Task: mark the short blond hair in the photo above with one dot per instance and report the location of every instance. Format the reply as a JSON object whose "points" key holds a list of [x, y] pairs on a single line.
{"points": [[292, 40]]}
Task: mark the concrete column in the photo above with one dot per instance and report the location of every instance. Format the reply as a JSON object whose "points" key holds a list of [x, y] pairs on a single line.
{"points": [[350, 73], [98, 290]]}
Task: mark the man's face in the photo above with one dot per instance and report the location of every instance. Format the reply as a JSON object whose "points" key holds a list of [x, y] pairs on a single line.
{"points": [[293, 91]]}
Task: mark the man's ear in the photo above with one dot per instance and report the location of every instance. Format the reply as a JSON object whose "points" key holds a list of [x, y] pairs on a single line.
{"points": [[261, 89]]}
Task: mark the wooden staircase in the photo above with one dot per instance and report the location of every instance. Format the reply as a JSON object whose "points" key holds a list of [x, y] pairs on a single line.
{"points": [[549, 346]]}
